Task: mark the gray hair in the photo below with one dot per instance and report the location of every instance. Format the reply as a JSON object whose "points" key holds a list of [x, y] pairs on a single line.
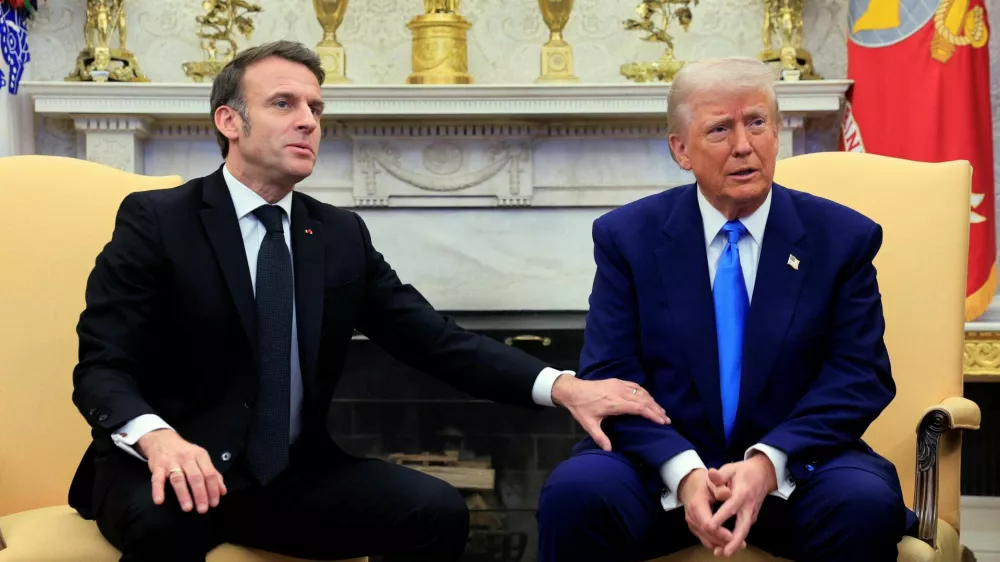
{"points": [[227, 89], [714, 77]]}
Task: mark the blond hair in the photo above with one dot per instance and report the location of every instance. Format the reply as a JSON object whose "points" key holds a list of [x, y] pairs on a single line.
{"points": [[717, 78]]}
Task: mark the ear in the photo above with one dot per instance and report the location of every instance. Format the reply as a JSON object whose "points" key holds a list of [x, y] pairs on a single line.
{"points": [[228, 122], [679, 149]]}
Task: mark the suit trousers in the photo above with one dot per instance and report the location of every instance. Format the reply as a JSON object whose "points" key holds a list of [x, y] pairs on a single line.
{"points": [[326, 505], [595, 506]]}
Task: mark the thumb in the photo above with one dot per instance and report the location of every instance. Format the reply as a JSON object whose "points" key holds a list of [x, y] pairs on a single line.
{"points": [[717, 477], [594, 429]]}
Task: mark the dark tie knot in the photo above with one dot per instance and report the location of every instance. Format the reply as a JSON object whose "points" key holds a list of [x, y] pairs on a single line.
{"points": [[734, 230], [270, 217]]}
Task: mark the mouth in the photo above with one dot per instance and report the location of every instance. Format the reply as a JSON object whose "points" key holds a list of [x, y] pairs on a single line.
{"points": [[743, 173], [300, 147]]}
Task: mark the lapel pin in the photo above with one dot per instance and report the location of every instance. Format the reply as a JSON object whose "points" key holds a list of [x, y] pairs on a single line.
{"points": [[309, 231], [793, 262]]}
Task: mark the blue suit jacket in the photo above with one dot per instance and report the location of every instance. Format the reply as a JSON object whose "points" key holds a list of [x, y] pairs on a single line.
{"points": [[815, 368]]}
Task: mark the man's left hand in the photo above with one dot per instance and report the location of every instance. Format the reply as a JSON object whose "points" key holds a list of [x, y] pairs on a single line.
{"points": [[747, 483], [592, 401]]}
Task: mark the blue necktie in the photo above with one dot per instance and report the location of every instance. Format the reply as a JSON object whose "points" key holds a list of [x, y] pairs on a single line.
{"points": [[731, 307]]}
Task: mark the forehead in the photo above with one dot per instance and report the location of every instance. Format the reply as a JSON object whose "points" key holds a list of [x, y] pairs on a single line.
{"points": [[274, 74], [713, 106]]}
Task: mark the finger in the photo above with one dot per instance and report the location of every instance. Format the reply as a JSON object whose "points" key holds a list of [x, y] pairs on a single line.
{"points": [[213, 480], [595, 431], [701, 514], [729, 508], [159, 477], [716, 478], [723, 493], [743, 521], [634, 393], [179, 484], [196, 480]]}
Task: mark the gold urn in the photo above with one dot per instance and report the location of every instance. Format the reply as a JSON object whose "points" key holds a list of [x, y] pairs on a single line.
{"points": [[557, 55], [440, 46], [330, 14]]}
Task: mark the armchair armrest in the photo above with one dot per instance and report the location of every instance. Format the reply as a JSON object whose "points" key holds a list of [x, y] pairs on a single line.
{"points": [[3, 544], [952, 413]]}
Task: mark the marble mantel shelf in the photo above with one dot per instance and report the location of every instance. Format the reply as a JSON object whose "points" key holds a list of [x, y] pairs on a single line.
{"points": [[180, 101]]}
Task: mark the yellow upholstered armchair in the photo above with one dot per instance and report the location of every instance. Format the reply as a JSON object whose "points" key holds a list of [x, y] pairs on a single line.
{"points": [[924, 212], [60, 213]]}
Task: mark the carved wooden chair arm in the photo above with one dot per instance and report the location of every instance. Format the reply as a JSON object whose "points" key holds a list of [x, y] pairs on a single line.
{"points": [[952, 413]]}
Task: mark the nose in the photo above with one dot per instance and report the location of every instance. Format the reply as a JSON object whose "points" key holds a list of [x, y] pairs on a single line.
{"points": [[741, 141], [305, 119]]}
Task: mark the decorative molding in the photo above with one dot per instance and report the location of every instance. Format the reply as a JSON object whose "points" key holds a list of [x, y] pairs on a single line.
{"points": [[982, 355], [402, 101], [925, 501]]}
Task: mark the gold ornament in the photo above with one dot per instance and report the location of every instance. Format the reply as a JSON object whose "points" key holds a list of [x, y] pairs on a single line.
{"points": [[105, 19], [667, 66], [440, 48], [557, 54], [221, 19], [783, 19], [956, 24], [330, 14]]}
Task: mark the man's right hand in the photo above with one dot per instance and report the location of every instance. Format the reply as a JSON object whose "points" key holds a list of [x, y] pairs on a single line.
{"points": [[698, 496], [184, 464]]}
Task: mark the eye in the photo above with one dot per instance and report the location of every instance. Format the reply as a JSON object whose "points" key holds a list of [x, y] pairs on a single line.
{"points": [[759, 122], [282, 104]]}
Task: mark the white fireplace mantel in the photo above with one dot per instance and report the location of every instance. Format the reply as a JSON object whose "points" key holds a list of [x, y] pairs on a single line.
{"points": [[482, 197], [430, 146]]}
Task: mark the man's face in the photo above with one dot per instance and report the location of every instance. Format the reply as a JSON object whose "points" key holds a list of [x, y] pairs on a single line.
{"points": [[284, 105], [731, 145]]}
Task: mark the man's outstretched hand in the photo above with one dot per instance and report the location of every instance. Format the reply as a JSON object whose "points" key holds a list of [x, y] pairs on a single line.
{"points": [[592, 401], [186, 466]]}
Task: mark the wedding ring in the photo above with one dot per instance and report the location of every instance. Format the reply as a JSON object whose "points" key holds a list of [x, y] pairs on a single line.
{"points": [[634, 390], [175, 469]]}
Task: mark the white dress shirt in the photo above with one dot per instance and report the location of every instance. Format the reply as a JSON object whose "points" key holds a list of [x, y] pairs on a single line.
{"points": [[246, 200], [675, 469]]}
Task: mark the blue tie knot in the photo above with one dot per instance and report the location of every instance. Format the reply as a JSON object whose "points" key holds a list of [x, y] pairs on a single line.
{"points": [[734, 230]]}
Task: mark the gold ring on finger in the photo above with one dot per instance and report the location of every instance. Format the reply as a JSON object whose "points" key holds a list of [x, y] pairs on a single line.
{"points": [[634, 391], [175, 469]]}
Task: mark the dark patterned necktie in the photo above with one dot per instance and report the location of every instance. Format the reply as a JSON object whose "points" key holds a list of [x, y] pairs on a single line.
{"points": [[267, 446]]}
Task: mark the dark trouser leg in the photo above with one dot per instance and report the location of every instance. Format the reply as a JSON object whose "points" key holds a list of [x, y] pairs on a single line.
{"points": [[143, 531], [595, 507], [838, 514], [337, 506]]}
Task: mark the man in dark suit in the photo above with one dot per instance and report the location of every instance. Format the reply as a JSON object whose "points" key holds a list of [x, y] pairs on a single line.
{"points": [[217, 322], [769, 400]]}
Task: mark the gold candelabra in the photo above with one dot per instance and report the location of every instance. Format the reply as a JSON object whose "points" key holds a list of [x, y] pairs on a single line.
{"points": [[666, 67], [99, 61], [783, 21], [330, 14], [557, 54], [440, 46], [219, 22]]}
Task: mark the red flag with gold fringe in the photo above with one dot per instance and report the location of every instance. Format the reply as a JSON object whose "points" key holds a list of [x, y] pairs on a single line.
{"points": [[921, 91]]}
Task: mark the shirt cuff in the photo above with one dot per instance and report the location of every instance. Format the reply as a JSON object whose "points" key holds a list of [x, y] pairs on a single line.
{"points": [[129, 434], [673, 471], [786, 484], [541, 392]]}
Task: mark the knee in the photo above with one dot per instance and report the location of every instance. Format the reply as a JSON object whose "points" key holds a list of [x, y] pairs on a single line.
{"points": [[869, 510], [581, 489], [445, 511], [159, 530]]}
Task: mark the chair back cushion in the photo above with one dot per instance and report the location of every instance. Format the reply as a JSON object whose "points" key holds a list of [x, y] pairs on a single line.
{"points": [[60, 213], [924, 212]]}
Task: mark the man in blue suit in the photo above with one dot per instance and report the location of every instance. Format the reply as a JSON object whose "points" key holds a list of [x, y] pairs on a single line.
{"points": [[752, 314]]}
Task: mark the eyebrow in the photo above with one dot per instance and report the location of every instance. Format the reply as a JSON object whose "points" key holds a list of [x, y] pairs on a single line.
{"points": [[318, 102]]}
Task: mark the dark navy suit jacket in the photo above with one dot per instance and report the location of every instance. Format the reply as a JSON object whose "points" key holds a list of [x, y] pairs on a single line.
{"points": [[815, 368]]}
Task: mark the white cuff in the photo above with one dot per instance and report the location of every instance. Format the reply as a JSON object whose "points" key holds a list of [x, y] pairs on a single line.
{"points": [[673, 471], [541, 392], [786, 484], [129, 434]]}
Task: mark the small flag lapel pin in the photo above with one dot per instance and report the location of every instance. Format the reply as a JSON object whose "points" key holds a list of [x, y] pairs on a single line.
{"points": [[793, 262], [309, 231]]}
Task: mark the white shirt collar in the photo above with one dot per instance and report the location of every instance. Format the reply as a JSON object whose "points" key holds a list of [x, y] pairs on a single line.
{"points": [[713, 220], [247, 200]]}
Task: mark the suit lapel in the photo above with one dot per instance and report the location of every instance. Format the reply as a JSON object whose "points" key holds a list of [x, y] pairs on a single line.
{"points": [[683, 265], [307, 249], [776, 292], [223, 230]]}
